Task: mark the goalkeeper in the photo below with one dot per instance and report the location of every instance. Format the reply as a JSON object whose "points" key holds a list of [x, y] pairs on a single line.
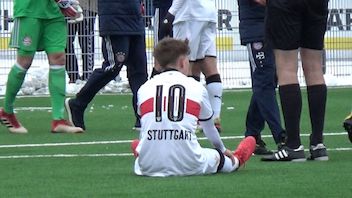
{"points": [[40, 26]]}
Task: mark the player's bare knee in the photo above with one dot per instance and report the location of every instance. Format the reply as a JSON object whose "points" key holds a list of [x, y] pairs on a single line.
{"points": [[24, 61], [57, 58]]}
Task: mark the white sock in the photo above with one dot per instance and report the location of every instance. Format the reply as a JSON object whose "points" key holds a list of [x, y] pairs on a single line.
{"points": [[215, 96], [229, 166]]}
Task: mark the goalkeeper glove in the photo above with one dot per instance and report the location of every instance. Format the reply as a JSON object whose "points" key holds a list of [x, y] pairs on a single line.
{"points": [[166, 25], [71, 9]]}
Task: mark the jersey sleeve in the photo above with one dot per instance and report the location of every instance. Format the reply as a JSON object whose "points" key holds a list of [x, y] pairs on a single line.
{"points": [[206, 112]]}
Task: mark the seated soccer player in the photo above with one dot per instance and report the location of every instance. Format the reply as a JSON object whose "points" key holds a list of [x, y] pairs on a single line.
{"points": [[170, 104]]}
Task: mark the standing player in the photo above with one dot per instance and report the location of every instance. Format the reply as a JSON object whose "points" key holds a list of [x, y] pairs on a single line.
{"points": [[122, 27], [195, 20], [170, 105], [299, 27], [39, 25], [263, 106], [161, 9]]}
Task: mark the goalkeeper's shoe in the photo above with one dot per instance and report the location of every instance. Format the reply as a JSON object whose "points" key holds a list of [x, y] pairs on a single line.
{"points": [[318, 153], [10, 121], [347, 124], [287, 154], [75, 113], [245, 150], [63, 126], [134, 145], [260, 148]]}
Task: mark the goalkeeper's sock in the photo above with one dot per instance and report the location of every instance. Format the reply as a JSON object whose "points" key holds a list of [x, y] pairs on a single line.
{"points": [[317, 102], [57, 89], [13, 85], [214, 88]]}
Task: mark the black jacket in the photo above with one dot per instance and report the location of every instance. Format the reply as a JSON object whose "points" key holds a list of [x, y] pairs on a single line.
{"points": [[120, 17], [162, 3], [251, 17]]}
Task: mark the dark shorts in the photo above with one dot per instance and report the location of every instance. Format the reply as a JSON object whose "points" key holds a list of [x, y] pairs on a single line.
{"points": [[159, 16], [291, 24], [126, 50]]}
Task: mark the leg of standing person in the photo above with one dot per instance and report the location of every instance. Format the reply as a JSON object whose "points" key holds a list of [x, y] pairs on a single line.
{"points": [[263, 74], [71, 58], [159, 34], [317, 96], [307, 34], [54, 43], [115, 51], [25, 54], [86, 41], [137, 71], [208, 66]]}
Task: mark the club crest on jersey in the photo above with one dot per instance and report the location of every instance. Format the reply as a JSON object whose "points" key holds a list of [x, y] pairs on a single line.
{"points": [[257, 45], [27, 41]]}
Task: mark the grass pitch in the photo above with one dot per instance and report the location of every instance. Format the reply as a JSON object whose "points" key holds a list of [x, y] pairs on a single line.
{"points": [[99, 163]]}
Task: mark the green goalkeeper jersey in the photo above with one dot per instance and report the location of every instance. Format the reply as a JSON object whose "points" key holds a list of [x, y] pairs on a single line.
{"points": [[41, 9]]}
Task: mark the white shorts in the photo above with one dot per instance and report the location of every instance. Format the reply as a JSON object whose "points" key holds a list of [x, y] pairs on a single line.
{"points": [[208, 166], [201, 36]]}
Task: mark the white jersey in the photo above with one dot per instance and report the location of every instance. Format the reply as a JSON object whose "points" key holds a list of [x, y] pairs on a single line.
{"points": [[170, 105], [194, 10]]}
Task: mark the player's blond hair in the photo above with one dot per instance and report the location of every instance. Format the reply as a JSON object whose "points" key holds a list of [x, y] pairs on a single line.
{"points": [[168, 50]]}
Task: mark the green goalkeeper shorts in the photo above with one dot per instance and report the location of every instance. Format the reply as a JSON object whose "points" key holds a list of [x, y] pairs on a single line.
{"points": [[31, 34]]}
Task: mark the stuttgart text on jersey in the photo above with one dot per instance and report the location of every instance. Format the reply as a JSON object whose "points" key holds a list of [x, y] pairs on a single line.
{"points": [[169, 134]]}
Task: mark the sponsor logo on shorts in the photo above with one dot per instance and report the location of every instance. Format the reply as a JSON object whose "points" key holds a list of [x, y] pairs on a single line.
{"points": [[27, 41]]}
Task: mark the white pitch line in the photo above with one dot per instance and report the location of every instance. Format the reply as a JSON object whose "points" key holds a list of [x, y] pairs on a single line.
{"points": [[106, 155], [64, 144], [32, 108], [128, 141], [66, 155]]}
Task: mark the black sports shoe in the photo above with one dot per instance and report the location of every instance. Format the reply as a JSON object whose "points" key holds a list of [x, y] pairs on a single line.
{"points": [[260, 148], [287, 154], [75, 113], [347, 124], [318, 153]]}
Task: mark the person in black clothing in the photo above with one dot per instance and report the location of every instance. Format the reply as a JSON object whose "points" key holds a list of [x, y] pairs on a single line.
{"points": [[263, 105], [85, 35], [122, 29], [294, 27], [161, 8]]}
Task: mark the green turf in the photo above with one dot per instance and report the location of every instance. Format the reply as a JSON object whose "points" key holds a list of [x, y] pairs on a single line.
{"points": [[110, 118]]}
